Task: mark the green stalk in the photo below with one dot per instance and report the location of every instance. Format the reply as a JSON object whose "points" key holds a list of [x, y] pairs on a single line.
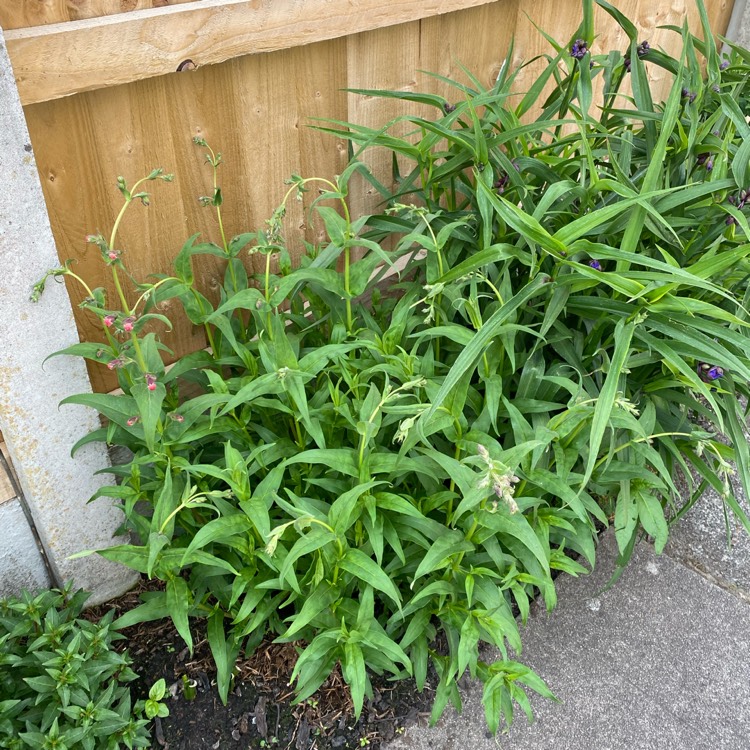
{"points": [[347, 273], [214, 165], [456, 456]]}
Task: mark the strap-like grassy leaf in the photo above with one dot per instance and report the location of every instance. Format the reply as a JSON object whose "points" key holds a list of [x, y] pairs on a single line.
{"points": [[623, 336], [489, 330]]}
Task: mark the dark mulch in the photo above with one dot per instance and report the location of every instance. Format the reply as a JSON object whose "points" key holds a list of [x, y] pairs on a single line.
{"points": [[259, 712]]}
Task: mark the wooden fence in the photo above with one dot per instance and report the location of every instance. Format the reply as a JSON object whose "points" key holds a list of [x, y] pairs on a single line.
{"points": [[102, 97]]}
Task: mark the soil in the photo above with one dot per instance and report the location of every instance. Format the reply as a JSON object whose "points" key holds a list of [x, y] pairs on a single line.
{"points": [[259, 712]]}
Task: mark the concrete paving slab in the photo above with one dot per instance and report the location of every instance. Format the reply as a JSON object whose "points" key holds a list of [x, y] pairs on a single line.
{"points": [[659, 662], [700, 541]]}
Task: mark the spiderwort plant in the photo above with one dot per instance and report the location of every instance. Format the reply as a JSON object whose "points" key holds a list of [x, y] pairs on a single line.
{"points": [[637, 225], [361, 478]]}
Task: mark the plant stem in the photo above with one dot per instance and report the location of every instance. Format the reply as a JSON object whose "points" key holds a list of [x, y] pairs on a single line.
{"points": [[347, 273]]}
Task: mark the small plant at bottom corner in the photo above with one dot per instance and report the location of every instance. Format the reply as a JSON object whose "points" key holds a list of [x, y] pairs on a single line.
{"points": [[62, 684]]}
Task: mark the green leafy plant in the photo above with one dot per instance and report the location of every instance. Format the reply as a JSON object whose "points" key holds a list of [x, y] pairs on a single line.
{"points": [[388, 478], [62, 685]]}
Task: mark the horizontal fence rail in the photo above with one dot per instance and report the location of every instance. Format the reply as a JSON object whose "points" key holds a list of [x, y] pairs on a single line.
{"points": [[119, 49]]}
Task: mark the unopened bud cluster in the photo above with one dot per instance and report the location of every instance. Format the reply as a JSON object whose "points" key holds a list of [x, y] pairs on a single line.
{"points": [[500, 478]]}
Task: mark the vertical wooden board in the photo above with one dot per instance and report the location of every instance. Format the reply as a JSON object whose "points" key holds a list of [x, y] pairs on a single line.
{"points": [[20, 14], [477, 39], [382, 59], [254, 110], [320, 74], [81, 144], [280, 95]]}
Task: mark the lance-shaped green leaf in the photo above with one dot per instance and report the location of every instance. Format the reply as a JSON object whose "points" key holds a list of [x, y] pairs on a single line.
{"points": [[366, 570]]}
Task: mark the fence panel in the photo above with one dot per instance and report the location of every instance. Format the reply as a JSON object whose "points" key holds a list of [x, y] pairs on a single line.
{"points": [[254, 108]]}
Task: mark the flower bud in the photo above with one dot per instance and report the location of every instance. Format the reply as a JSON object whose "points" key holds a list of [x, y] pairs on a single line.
{"points": [[579, 49]]}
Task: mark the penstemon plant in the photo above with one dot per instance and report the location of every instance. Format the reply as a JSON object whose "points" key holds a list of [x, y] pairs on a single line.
{"points": [[390, 484], [62, 684]]}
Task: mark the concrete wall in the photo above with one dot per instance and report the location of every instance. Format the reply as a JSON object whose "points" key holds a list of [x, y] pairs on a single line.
{"points": [[21, 564], [38, 434]]}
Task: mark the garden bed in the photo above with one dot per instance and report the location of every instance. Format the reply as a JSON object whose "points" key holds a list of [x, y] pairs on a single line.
{"points": [[259, 712]]}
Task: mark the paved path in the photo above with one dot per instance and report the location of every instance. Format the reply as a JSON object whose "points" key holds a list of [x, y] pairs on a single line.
{"points": [[659, 662]]}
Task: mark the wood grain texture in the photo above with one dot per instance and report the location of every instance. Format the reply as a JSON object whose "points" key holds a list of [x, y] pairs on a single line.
{"points": [[19, 14], [57, 60], [255, 110], [400, 58]]}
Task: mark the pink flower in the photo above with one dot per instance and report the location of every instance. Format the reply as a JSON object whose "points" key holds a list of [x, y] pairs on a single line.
{"points": [[176, 417], [127, 324], [114, 363], [109, 320], [150, 381], [132, 421], [113, 255]]}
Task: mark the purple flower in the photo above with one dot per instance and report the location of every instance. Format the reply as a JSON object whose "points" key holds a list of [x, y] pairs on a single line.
{"points": [[113, 364], [626, 62], [501, 183], [579, 49], [689, 95], [128, 323], [448, 108], [596, 265], [150, 381], [724, 65], [708, 373], [643, 49]]}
